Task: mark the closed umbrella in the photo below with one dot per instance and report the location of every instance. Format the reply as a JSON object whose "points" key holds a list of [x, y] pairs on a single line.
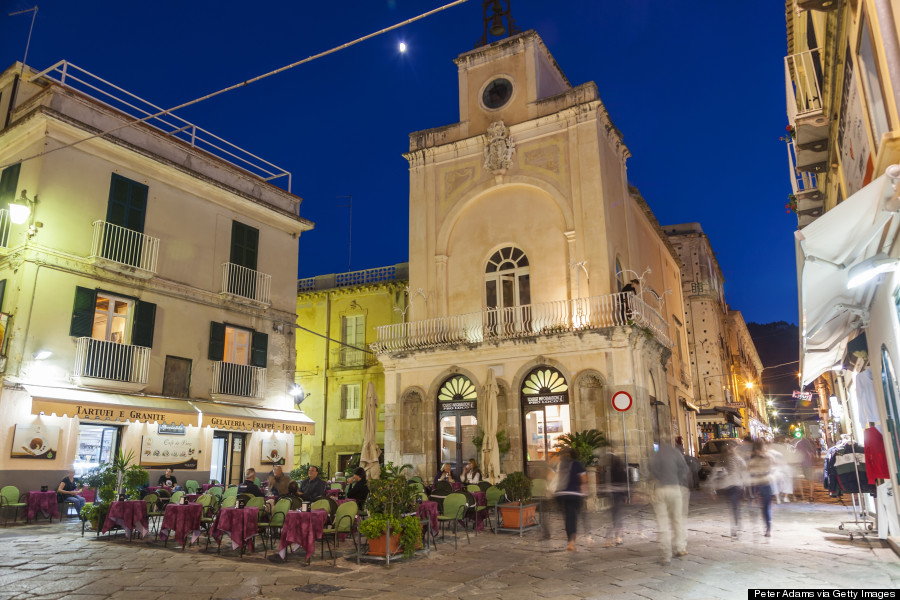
{"points": [[369, 458], [490, 452]]}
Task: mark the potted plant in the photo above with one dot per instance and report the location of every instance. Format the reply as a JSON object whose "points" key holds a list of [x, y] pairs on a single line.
{"points": [[389, 506], [583, 444], [301, 473], [519, 511]]}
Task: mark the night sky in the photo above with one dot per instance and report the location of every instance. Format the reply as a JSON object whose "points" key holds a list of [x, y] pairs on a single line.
{"points": [[697, 89]]}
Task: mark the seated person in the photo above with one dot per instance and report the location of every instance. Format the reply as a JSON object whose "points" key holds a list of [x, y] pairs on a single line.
{"points": [[445, 474], [313, 488], [278, 482], [293, 490], [167, 479], [67, 491], [471, 472], [248, 486], [358, 488]]}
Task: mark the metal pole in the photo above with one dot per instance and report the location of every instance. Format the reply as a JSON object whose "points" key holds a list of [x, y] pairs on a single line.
{"points": [[625, 451]]}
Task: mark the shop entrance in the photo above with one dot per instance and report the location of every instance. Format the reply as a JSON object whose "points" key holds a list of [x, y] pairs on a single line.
{"points": [[227, 462], [457, 422], [545, 417], [97, 445]]}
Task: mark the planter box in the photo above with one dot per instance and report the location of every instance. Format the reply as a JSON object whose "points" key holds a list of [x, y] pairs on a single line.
{"points": [[378, 546], [516, 516]]}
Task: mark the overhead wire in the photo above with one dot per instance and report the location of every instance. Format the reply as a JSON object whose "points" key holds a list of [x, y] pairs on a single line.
{"points": [[241, 84]]}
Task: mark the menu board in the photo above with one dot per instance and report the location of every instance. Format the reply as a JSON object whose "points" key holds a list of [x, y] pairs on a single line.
{"points": [[274, 451], [35, 441], [169, 451]]}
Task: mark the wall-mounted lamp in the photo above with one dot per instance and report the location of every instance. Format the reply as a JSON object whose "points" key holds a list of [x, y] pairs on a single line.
{"points": [[298, 394], [42, 355], [20, 210], [869, 269]]}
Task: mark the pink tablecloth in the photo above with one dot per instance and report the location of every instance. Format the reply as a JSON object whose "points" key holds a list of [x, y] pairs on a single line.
{"points": [[302, 529], [429, 510], [191, 497], [43, 502], [130, 515], [456, 486], [88, 494], [333, 494], [182, 519], [239, 523], [480, 500], [151, 489]]}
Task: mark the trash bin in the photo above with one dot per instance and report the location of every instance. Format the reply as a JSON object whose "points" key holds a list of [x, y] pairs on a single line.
{"points": [[634, 475]]}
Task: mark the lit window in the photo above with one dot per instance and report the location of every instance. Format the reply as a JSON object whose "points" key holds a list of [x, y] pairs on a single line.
{"points": [[111, 319]]}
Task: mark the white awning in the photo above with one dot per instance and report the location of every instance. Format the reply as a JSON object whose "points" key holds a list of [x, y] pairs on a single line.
{"points": [[826, 250], [246, 418], [100, 406]]}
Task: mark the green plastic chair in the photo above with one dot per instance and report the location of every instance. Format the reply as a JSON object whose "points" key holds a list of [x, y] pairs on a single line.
{"points": [[257, 481], [495, 496], [176, 497], [192, 486], [276, 522], [538, 488], [153, 512], [257, 502], [472, 488], [321, 503], [10, 499], [344, 524], [336, 486], [216, 491], [230, 491], [423, 496], [415, 479], [417, 486], [228, 502], [454, 510]]}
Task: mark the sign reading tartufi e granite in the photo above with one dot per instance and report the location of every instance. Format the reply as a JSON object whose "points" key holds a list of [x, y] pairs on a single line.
{"points": [[112, 412]]}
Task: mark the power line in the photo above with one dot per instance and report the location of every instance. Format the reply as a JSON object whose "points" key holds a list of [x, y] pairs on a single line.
{"points": [[243, 83]]}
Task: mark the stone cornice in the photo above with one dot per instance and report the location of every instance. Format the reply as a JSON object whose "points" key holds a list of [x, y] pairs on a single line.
{"points": [[394, 286]]}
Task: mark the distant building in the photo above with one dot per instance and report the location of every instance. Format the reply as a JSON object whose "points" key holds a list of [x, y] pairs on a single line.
{"points": [[524, 232], [338, 315], [746, 378], [148, 289]]}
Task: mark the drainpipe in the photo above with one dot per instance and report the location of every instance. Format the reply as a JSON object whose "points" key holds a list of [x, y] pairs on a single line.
{"points": [[885, 13], [325, 375]]}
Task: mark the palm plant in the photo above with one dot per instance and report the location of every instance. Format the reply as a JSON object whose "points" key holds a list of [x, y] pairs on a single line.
{"points": [[583, 444]]}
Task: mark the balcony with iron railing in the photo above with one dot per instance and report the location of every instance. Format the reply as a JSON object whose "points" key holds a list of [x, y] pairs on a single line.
{"points": [[803, 73], [231, 379], [124, 250], [111, 365], [352, 358], [532, 320], [245, 286], [805, 189]]}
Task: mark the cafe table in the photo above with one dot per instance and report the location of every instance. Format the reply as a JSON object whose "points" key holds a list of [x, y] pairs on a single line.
{"points": [[130, 515], [480, 500], [182, 519], [41, 502], [428, 511], [333, 493], [302, 529], [241, 525]]}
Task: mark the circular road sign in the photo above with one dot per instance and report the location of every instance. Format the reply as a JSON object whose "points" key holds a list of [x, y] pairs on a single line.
{"points": [[621, 401]]}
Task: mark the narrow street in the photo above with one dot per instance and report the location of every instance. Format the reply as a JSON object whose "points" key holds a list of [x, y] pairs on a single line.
{"points": [[807, 550]]}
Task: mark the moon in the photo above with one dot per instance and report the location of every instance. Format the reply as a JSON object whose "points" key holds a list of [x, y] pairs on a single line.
{"points": [[402, 47]]}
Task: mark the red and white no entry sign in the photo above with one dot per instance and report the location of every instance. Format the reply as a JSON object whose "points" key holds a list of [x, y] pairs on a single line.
{"points": [[621, 401]]}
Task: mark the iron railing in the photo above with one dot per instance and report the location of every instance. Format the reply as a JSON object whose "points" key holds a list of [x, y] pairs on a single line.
{"points": [[803, 83], [242, 282], [531, 320], [351, 358], [76, 78], [125, 246], [801, 181], [232, 379], [111, 360]]}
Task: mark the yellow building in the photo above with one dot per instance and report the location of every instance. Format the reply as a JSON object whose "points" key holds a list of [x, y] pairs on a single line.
{"points": [[524, 231], [337, 316], [842, 73]]}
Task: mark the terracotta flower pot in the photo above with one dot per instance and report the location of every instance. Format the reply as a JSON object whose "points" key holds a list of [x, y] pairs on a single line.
{"points": [[378, 546], [514, 515]]}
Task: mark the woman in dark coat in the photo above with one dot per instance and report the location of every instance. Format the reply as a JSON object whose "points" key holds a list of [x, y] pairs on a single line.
{"points": [[358, 489]]}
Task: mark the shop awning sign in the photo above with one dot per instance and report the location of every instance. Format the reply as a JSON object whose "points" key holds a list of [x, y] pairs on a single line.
{"points": [[544, 399], [95, 406], [241, 418]]}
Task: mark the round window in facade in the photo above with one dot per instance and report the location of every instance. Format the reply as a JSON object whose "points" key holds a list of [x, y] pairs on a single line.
{"points": [[497, 93]]}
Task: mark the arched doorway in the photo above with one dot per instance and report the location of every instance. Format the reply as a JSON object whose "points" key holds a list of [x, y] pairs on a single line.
{"points": [[457, 421], [545, 416]]}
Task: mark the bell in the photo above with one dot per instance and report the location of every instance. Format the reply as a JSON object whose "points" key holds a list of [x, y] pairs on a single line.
{"points": [[497, 27]]}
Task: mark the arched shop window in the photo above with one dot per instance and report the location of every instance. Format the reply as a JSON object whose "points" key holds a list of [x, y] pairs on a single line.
{"points": [[545, 416], [457, 421]]}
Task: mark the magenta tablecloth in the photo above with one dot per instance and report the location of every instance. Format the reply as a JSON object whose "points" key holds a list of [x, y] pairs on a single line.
{"points": [[456, 486], [130, 515], [206, 486], [480, 500], [88, 494], [182, 519], [151, 489], [239, 523], [429, 510], [302, 529], [333, 494], [43, 502], [191, 497]]}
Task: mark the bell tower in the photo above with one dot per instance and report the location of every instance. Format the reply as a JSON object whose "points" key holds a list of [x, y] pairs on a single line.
{"points": [[493, 24]]}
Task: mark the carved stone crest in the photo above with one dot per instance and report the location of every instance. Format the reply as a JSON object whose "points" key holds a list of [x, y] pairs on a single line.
{"points": [[499, 148]]}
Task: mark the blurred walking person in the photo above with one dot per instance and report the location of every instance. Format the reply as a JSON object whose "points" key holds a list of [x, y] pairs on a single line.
{"points": [[729, 480], [760, 470], [670, 497], [615, 487], [570, 490]]}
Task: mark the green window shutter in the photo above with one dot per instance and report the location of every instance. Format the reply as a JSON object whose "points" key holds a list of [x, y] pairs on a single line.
{"points": [[216, 341], [260, 349], [83, 312], [144, 321], [9, 181]]}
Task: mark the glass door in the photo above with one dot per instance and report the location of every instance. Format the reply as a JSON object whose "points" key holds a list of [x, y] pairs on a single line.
{"points": [[543, 427], [97, 445], [227, 462]]}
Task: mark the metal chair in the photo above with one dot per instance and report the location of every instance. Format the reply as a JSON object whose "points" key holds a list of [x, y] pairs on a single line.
{"points": [[344, 524], [454, 510]]}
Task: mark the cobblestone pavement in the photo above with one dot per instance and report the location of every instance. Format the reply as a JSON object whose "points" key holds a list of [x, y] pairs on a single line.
{"points": [[807, 550]]}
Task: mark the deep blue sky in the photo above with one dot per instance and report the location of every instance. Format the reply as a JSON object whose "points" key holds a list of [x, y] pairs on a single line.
{"points": [[697, 89]]}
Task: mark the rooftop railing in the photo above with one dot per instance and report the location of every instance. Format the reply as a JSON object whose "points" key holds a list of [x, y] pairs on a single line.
{"points": [[111, 95]]}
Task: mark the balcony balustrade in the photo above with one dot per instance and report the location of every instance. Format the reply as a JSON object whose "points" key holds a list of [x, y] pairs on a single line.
{"points": [[351, 358], [124, 250], [231, 379], [580, 314], [245, 285], [806, 110], [112, 365]]}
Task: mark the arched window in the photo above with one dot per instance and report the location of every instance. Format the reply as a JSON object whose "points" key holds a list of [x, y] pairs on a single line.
{"points": [[457, 420], [506, 279], [545, 416], [620, 276]]}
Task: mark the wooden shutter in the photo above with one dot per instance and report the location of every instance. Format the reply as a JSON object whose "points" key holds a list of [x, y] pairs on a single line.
{"points": [[127, 205], [9, 181], [260, 349], [244, 245], [82, 324], [144, 321], [216, 341]]}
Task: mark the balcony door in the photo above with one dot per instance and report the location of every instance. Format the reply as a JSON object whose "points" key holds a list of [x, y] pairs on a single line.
{"points": [[507, 293], [244, 253], [353, 333], [237, 351], [127, 210]]}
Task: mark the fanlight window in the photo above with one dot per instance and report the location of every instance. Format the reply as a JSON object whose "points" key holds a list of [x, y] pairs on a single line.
{"points": [[545, 381], [507, 280], [456, 389]]}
